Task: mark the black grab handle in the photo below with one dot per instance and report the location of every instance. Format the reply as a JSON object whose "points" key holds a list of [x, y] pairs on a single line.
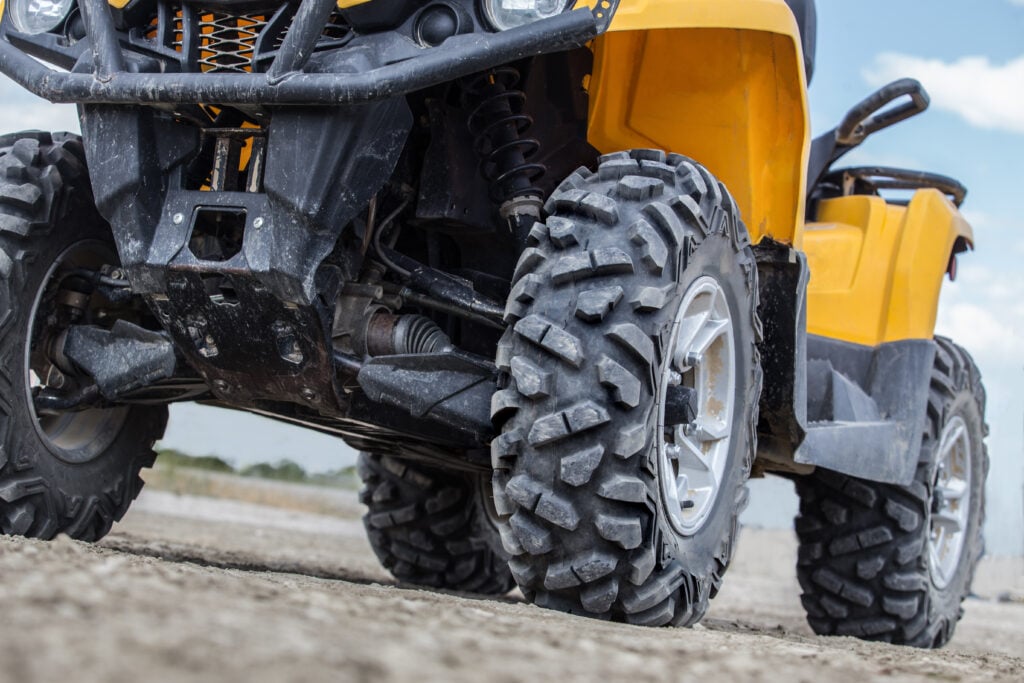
{"points": [[867, 116]]}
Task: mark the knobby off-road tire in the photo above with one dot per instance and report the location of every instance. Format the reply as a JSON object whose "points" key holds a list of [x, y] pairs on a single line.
{"points": [[864, 562], [591, 313], [432, 528], [46, 208]]}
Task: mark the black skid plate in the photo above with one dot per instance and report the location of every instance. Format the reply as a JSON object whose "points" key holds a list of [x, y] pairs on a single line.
{"points": [[246, 343]]}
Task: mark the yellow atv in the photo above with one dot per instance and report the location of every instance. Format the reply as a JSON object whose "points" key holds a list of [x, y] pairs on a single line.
{"points": [[447, 232]]}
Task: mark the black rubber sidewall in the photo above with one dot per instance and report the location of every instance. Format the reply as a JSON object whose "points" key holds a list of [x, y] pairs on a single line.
{"points": [[944, 603]]}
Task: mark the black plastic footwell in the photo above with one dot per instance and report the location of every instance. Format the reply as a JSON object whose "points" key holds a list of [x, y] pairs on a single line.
{"points": [[866, 407]]}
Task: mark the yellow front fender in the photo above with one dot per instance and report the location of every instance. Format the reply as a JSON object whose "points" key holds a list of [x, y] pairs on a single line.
{"points": [[721, 81]]}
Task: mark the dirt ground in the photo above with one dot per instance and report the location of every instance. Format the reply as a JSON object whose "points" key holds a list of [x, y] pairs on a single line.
{"points": [[192, 588]]}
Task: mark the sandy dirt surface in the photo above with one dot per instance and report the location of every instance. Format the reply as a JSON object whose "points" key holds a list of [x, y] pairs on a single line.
{"points": [[192, 588]]}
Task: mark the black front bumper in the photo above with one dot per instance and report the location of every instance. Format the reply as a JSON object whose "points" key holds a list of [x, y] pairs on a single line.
{"points": [[289, 81]]}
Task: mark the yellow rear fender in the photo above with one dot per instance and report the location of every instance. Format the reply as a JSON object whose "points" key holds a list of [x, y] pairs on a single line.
{"points": [[720, 81], [877, 269]]}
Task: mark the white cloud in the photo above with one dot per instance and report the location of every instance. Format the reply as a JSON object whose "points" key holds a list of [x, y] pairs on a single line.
{"points": [[987, 95], [983, 312], [978, 329]]}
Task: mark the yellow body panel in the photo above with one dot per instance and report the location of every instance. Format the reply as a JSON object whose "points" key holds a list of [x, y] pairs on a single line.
{"points": [[720, 81], [877, 269]]}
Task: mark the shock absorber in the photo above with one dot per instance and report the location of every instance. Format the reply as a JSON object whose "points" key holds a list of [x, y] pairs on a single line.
{"points": [[498, 124]]}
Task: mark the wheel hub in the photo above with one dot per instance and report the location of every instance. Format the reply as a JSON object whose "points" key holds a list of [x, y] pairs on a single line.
{"points": [[696, 406], [79, 436], [951, 502]]}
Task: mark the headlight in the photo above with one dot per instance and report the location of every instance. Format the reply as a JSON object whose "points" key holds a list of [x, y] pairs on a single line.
{"points": [[504, 14], [38, 16]]}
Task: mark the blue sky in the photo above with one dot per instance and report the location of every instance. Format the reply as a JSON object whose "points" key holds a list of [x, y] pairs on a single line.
{"points": [[970, 56]]}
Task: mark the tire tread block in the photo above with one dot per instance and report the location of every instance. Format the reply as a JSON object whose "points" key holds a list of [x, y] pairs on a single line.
{"points": [[423, 525]]}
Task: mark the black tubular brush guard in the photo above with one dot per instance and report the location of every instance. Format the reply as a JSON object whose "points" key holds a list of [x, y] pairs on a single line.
{"points": [[287, 82]]}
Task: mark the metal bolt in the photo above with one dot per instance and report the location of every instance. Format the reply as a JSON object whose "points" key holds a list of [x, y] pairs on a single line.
{"points": [[178, 218], [221, 385], [257, 222], [308, 394], [693, 359], [675, 378], [697, 432]]}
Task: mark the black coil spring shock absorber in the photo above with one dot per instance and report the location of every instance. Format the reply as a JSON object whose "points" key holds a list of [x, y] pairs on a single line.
{"points": [[499, 124]]}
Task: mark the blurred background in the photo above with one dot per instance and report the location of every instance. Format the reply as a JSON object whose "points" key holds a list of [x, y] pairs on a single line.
{"points": [[970, 57]]}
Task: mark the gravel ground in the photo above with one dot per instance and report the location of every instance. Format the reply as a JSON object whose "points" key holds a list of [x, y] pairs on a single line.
{"points": [[190, 588]]}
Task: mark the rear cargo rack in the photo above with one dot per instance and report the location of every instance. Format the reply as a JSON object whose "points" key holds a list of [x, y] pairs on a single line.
{"points": [[871, 179]]}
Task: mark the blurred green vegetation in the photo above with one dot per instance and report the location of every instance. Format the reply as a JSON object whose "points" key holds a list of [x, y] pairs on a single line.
{"points": [[282, 470], [171, 458]]}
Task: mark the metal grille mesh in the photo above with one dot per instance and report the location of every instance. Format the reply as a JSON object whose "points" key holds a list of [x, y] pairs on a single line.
{"points": [[226, 41]]}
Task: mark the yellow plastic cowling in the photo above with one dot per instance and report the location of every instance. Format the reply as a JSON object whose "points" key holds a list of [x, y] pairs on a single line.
{"points": [[721, 81], [877, 269]]}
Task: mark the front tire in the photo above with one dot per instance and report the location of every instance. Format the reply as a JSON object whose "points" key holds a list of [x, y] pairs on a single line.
{"points": [[613, 504], [894, 563], [72, 473]]}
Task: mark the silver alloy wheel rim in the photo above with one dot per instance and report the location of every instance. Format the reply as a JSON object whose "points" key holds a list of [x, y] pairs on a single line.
{"points": [[951, 502], [74, 437], [692, 457]]}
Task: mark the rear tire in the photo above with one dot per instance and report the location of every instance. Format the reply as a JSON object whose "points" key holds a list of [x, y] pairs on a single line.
{"points": [[70, 473], [866, 563], [432, 528]]}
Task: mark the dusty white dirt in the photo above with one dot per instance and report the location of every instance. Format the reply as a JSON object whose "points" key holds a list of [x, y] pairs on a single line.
{"points": [[191, 588]]}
